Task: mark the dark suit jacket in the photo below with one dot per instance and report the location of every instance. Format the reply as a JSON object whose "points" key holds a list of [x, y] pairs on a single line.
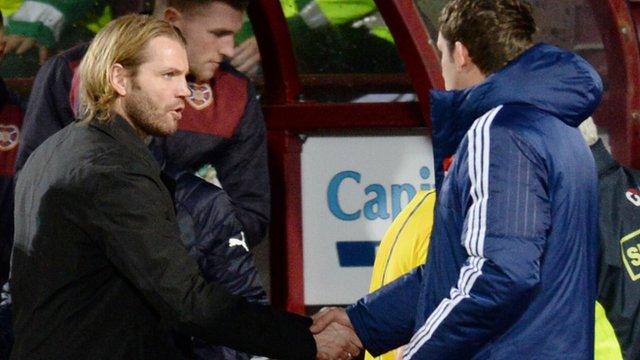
{"points": [[98, 268]]}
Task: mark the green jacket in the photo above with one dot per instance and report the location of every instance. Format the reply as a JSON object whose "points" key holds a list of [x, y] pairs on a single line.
{"points": [[45, 20]]}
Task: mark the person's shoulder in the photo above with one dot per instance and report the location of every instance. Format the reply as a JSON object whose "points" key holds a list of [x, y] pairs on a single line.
{"points": [[68, 59], [63, 64], [74, 54], [230, 80], [519, 119], [92, 147], [226, 68]]}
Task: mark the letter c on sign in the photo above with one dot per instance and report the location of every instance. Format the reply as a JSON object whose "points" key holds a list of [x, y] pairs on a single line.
{"points": [[332, 195]]}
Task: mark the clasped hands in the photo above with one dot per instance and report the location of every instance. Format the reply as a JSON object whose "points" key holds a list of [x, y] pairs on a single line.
{"points": [[334, 335]]}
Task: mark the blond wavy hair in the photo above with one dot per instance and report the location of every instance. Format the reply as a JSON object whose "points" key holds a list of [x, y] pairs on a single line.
{"points": [[123, 41]]}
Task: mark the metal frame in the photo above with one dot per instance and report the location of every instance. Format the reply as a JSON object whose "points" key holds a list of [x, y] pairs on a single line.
{"points": [[618, 22], [287, 117]]}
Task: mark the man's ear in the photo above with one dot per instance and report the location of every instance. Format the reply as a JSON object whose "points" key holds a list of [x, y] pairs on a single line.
{"points": [[461, 56], [173, 16], [119, 79]]}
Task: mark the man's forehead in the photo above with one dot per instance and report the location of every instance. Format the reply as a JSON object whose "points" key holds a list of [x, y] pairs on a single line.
{"points": [[219, 15], [167, 52]]}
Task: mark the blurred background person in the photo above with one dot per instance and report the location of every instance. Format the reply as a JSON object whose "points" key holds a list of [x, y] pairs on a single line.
{"points": [[618, 301]]}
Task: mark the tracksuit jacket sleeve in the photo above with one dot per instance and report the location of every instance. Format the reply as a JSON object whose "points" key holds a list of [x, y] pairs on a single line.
{"points": [[244, 174], [136, 228], [207, 224], [381, 327], [504, 234]]}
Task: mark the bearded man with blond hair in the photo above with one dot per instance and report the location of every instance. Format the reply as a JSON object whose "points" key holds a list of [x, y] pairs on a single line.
{"points": [[98, 270]]}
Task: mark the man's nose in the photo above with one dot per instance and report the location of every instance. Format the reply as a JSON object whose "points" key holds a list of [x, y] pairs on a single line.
{"points": [[227, 48], [183, 90]]}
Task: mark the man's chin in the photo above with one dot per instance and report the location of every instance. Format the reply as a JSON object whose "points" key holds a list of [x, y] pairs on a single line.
{"points": [[206, 73], [168, 128]]}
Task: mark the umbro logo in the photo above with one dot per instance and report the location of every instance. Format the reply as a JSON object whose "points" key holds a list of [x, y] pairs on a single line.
{"points": [[630, 246], [239, 242], [633, 195]]}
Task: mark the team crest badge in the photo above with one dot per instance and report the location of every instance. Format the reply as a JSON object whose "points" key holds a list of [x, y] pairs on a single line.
{"points": [[201, 95], [9, 135], [633, 195], [630, 245]]}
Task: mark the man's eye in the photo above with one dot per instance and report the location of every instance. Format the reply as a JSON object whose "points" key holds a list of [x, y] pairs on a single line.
{"points": [[168, 75], [221, 33]]}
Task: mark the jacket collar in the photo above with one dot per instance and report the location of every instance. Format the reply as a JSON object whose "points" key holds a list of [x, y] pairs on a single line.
{"points": [[120, 130]]}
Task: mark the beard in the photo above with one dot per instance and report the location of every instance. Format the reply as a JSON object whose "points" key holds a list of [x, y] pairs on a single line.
{"points": [[148, 116]]}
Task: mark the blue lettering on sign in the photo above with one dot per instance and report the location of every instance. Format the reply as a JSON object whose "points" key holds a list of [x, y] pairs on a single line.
{"points": [[377, 204], [396, 194], [332, 195], [376, 208], [356, 253]]}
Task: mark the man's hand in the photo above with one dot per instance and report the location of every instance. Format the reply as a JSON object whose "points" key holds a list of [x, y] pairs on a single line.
{"points": [[337, 341], [21, 44], [246, 57], [328, 315], [334, 334]]}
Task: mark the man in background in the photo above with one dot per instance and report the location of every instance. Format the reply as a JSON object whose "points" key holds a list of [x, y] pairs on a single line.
{"points": [[618, 306], [11, 115]]}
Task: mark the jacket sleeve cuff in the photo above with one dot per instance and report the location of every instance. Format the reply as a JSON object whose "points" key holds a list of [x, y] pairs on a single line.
{"points": [[355, 316]]}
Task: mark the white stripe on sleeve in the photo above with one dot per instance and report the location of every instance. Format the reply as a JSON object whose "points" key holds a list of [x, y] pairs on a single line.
{"points": [[478, 169]]}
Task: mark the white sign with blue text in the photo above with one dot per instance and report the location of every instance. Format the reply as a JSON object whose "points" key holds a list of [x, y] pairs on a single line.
{"points": [[352, 188]]}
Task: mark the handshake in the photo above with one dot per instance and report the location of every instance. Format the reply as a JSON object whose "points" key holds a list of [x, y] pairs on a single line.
{"points": [[334, 335]]}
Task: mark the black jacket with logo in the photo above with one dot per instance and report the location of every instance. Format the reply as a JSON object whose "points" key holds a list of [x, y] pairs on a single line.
{"points": [[98, 270], [214, 237], [619, 279]]}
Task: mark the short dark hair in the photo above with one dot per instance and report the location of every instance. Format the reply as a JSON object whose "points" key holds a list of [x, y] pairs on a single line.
{"points": [[494, 31], [187, 5]]}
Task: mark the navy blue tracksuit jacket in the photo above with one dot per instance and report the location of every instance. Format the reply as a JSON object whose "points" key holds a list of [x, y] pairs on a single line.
{"points": [[512, 262]]}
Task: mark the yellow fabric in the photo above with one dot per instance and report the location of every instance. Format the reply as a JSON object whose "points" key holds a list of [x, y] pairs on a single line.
{"points": [[340, 11], [289, 8], [383, 32], [8, 7], [404, 246], [101, 21], [606, 342]]}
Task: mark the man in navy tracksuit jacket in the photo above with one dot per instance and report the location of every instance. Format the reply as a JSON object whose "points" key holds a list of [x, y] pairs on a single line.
{"points": [[511, 272]]}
